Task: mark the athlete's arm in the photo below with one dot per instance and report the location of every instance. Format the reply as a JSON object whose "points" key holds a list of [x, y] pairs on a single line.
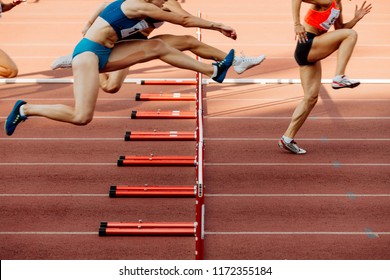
{"points": [[299, 29], [359, 14], [143, 9], [94, 17]]}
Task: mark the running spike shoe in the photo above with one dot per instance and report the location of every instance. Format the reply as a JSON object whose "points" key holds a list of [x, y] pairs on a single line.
{"points": [[344, 82], [291, 147], [243, 63], [62, 62], [14, 118], [223, 66]]}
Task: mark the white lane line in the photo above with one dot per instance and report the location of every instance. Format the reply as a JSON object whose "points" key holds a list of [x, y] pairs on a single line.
{"points": [[61, 139], [210, 116], [338, 164], [324, 139], [211, 98], [250, 118], [56, 164], [370, 233], [352, 195], [293, 164], [47, 233], [53, 195], [95, 117], [300, 139], [296, 233], [204, 81]]}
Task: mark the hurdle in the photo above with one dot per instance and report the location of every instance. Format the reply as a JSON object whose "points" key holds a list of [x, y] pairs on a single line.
{"points": [[163, 135], [157, 161], [175, 96], [152, 191], [175, 114], [148, 229], [168, 82]]}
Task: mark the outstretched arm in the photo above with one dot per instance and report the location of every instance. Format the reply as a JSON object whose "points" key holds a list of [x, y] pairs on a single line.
{"points": [[359, 14], [143, 9]]}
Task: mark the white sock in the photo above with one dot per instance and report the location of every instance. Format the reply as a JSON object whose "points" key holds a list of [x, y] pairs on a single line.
{"points": [[215, 71], [287, 139], [338, 78], [21, 111]]}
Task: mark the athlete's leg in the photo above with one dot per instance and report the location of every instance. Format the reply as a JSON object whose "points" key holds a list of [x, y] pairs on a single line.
{"points": [[190, 43], [86, 88], [138, 51], [343, 40], [112, 82], [311, 82], [8, 68]]}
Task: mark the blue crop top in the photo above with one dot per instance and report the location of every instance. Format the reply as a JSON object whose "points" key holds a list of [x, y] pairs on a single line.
{"points": [[124, 26]]}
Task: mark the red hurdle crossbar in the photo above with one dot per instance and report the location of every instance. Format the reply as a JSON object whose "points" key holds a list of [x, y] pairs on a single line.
{"points": [[141, 224], [168, 82], [164, 115], [175, 96], [157, 161], [162, 135], [141, 228], [152, 191]]}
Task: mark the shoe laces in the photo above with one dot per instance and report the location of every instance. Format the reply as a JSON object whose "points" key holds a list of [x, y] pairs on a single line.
{"points": [[220, 63], [18, 119]]}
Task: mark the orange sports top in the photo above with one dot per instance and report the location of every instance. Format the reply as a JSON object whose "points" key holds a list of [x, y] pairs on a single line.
{"points": [[323, 20]]}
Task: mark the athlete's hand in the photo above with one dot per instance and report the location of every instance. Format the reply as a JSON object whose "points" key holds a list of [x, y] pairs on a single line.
{"points": [[300, 32], [17, 2], [229, 32], [360, 13]]}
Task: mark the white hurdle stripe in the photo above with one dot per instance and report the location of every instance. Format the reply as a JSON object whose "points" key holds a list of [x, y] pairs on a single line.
{"points": [[204, 81]]}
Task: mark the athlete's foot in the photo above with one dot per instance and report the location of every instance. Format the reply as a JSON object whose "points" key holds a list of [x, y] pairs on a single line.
{"points": [[223, 66], [292, 147], [14, 118], [62, 62], [344, 82], [243, 63]]}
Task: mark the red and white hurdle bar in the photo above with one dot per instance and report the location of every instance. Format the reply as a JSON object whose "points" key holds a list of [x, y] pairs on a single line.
{"points": [[148, 228], [157, 161], [175, 114], [162, 135], [174, 96], [152, 191]]}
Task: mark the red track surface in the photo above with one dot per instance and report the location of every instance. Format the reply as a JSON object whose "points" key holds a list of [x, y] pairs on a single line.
{"points": [[332, 203]]}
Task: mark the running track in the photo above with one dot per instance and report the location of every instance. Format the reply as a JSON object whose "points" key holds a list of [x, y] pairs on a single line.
{"points": [[261, 203]]}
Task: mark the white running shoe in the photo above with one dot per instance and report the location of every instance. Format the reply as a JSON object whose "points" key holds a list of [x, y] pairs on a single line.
{"points": [[62, 62], [243, 63], [344, 82], [291, 147]]}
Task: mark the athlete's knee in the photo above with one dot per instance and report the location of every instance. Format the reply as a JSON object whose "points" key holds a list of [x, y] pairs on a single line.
{"points": [[190, 41], [110, 87], [158, 46], [352, 34], [82, 119], [10, 72], [311, 100]]}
